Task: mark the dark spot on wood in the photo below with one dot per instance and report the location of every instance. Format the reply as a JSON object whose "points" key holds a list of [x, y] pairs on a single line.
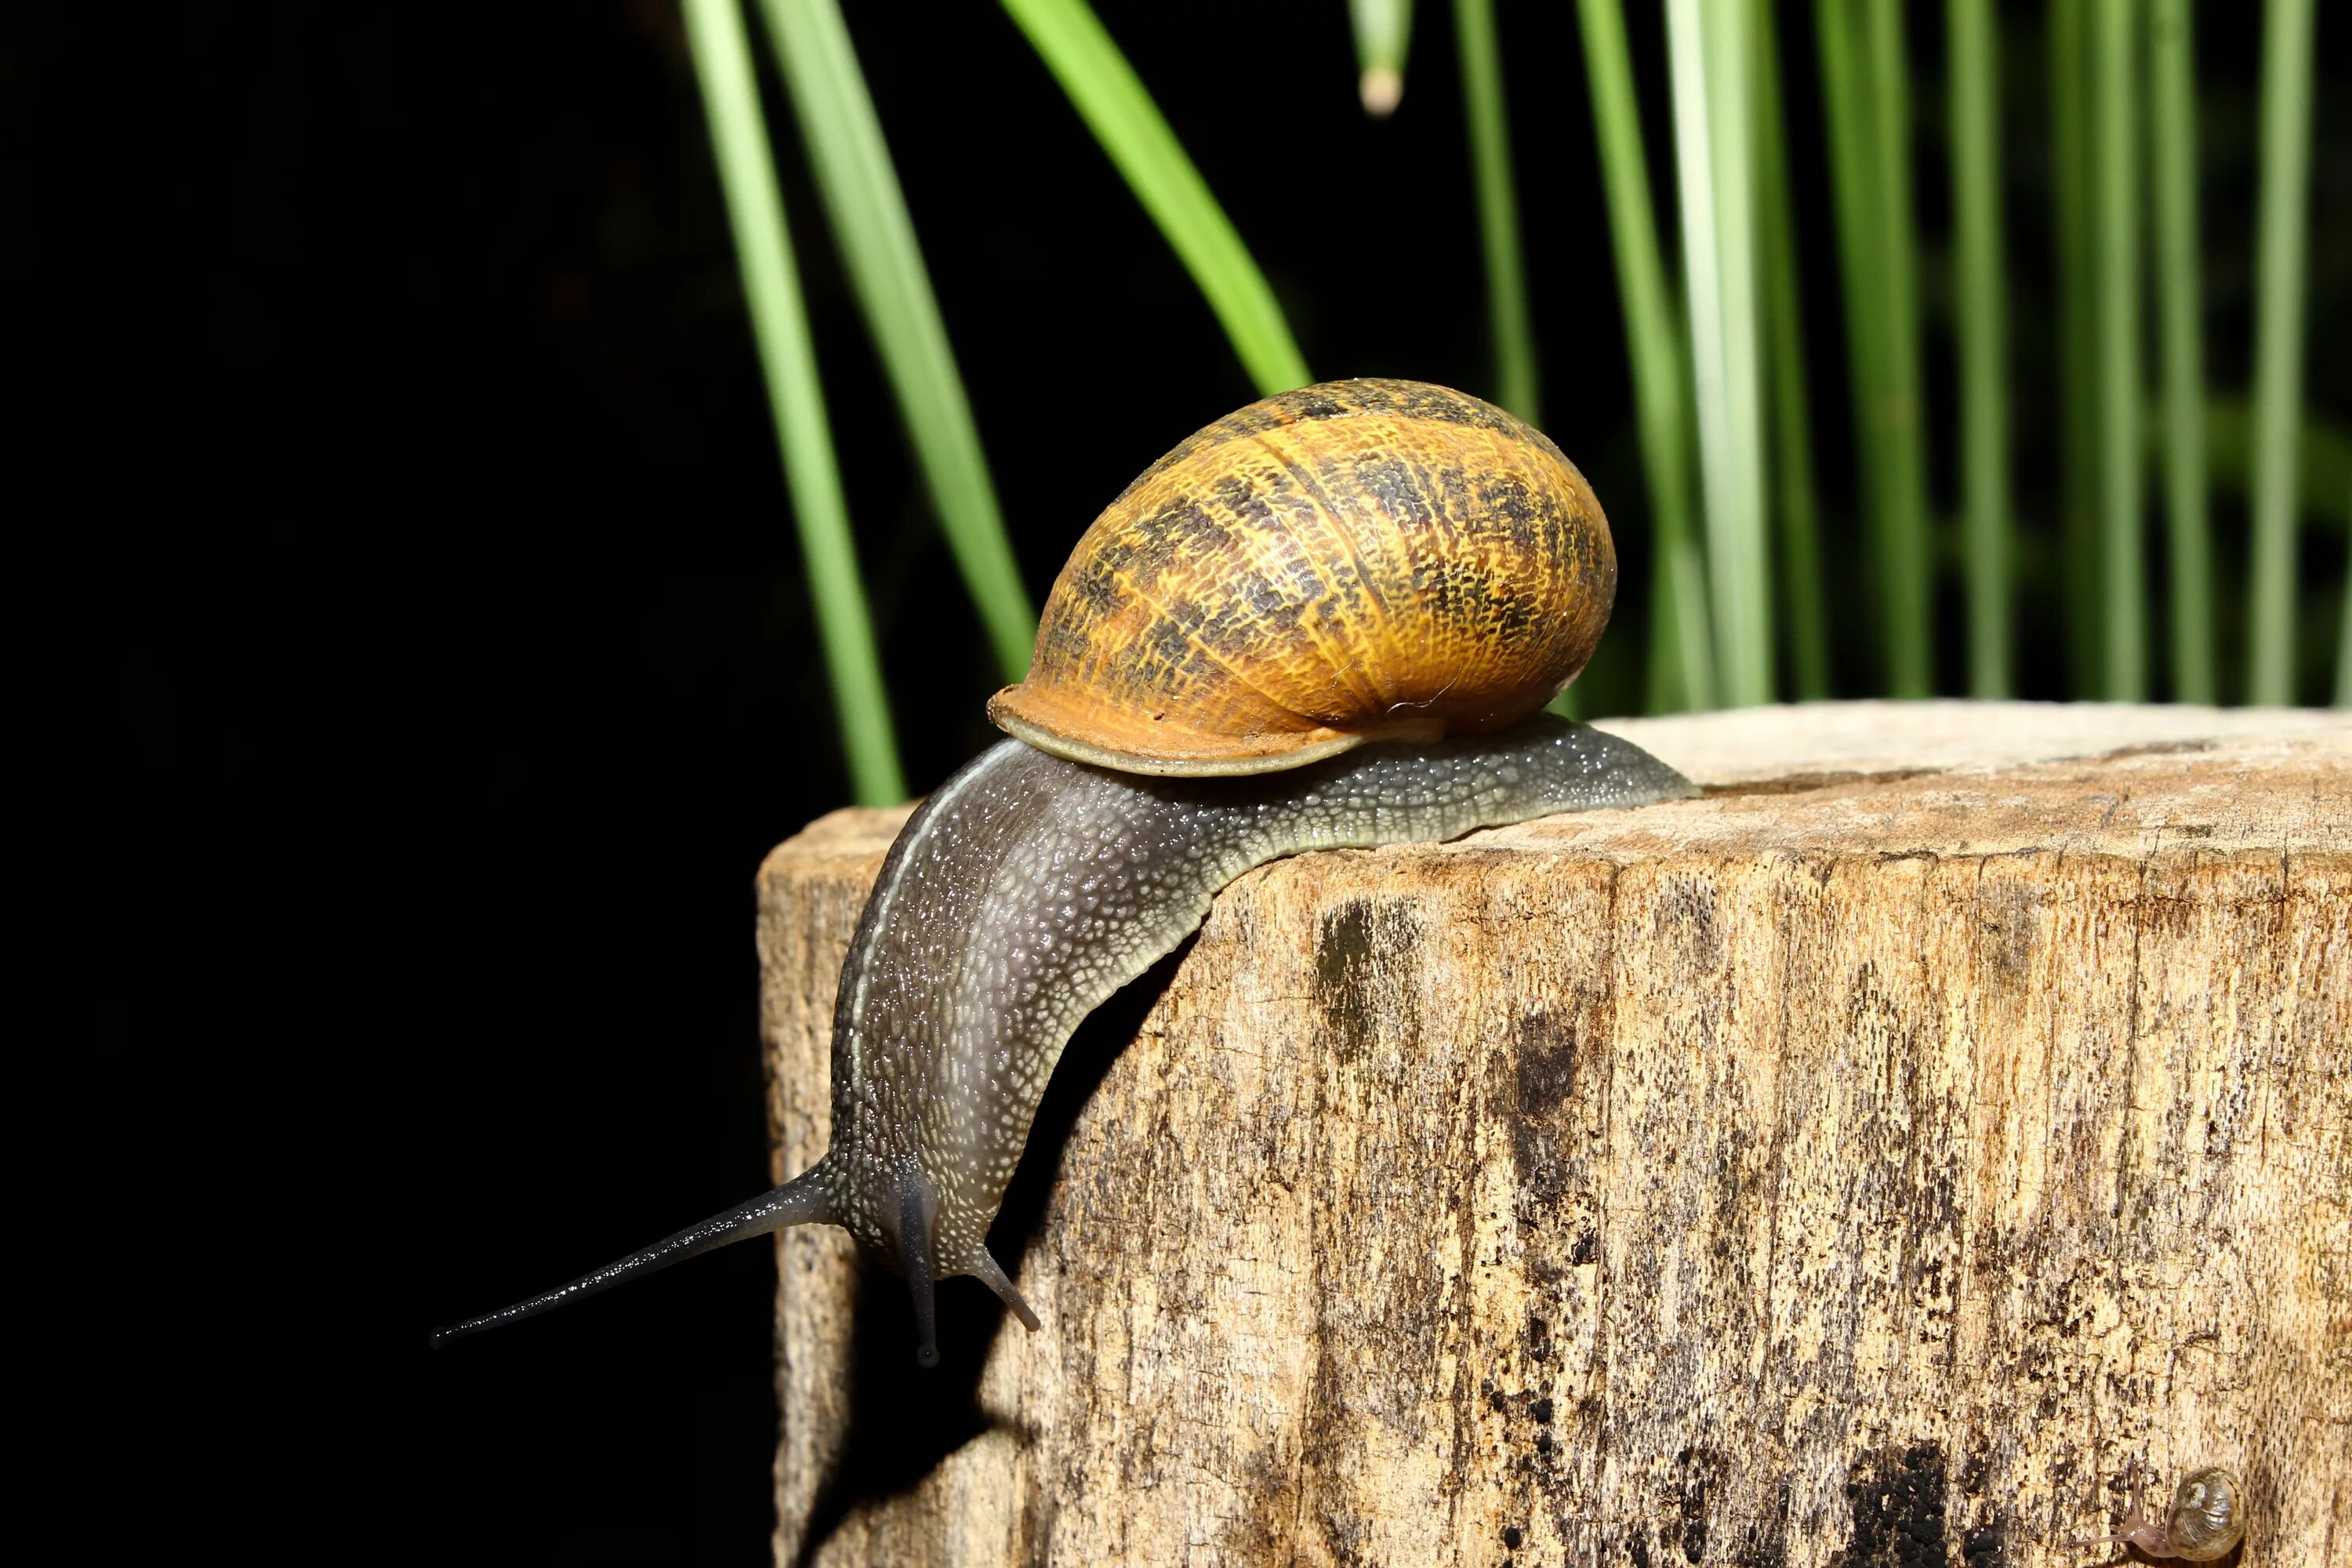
{"points": [[1637, 1548], [1805, 784], [1766, 1554], [1731, 1188], [2154, 749], [1363, 973], [1036, 1514], [1543, 1082], [1697, 1470], [1512, 1535], [1546, 1063], [1898, 1501], [2006, 920], [1985, 1546], [1686, 924], [1542, 1411]]}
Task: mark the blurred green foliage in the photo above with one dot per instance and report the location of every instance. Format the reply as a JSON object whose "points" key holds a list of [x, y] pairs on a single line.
{"points": [[1738, 604]]}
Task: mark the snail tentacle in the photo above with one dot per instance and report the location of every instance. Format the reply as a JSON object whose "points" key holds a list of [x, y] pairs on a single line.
{"points": [[803, 1200]]}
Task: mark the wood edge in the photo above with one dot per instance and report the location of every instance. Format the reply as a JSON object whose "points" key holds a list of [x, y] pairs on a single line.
{"points": [[851, 841]]}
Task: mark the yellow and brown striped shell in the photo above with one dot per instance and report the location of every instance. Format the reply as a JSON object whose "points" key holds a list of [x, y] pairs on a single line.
{"points": [[1360, 561]]}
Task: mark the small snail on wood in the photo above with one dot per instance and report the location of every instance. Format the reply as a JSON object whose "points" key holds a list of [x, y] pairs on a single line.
{"points": [[1359, 563], [2205, 1521]]}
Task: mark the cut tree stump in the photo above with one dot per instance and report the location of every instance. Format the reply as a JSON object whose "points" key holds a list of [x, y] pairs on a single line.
{"points": [[1860, 1164]]}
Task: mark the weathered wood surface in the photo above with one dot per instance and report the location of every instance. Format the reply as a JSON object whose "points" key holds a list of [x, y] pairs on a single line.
{"points": [[1857, 1165]]}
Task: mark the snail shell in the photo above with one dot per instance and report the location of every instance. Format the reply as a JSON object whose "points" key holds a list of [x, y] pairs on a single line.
{"points": [[1360, 561], [2205, 1520]]}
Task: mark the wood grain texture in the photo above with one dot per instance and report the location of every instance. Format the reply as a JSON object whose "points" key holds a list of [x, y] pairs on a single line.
{"points": [[1857, 1165]]}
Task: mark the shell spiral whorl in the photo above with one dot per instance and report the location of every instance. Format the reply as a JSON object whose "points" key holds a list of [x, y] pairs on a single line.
{"points": [[1358, 560]]}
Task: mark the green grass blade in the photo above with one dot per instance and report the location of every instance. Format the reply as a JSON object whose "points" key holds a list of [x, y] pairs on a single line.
{"points": [[2278, 343], [1901, 419], [1383, 31], [1705, 48], [2344, 650], [747, 173], [1973, 40], [1498, 209], [868, 213], [2115, 245], [1850, 108], [1111, 99], [2325, 450], [1866, 95], [2070, 188], [1845, 113], [1681, 654], [1804, 599], [2172, 124]]}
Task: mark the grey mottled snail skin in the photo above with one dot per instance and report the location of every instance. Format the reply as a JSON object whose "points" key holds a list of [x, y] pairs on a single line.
{"points": [[2205, 1521], [1262, 646], [1025, 893]]}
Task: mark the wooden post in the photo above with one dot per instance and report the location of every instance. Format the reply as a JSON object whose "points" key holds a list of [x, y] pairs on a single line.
{"points": [[1858, 1165]]}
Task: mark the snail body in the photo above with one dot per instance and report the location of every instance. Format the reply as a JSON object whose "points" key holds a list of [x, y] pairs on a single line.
{"points": [[2203, 1523], [1170, 739]]}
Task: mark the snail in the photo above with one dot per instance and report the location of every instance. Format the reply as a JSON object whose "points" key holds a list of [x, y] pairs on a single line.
{"points": [[2206, 1519], [1327, 620]]}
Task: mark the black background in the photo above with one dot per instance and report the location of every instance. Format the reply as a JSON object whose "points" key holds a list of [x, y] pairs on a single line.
{"points": [[408, 664]]}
